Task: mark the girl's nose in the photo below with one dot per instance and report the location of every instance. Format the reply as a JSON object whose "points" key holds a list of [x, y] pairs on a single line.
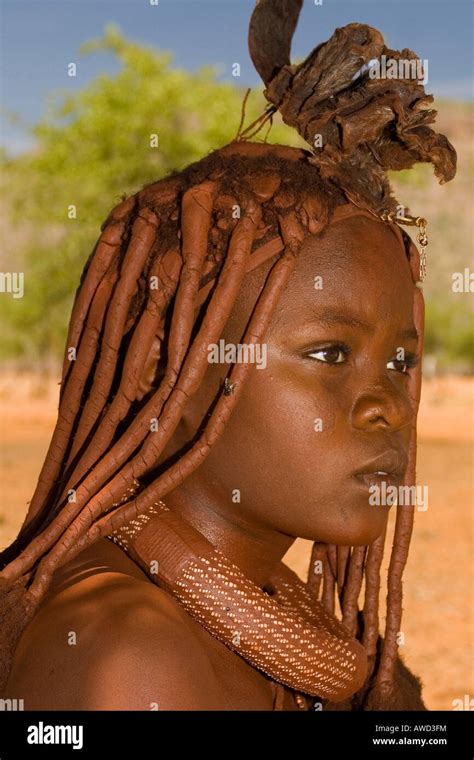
{"points": [[382, 406]]}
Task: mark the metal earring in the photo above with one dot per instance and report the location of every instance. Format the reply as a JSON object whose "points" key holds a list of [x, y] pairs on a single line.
{"points": [[228, 387]]}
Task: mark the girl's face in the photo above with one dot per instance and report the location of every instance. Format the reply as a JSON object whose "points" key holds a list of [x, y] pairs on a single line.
{"points": [[332, 399]]}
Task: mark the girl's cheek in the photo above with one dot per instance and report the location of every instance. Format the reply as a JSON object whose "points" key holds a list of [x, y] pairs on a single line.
{"points": [[331, 408]]}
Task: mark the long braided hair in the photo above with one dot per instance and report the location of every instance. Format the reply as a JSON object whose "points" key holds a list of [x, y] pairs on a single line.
{"points": [[161, 283]]}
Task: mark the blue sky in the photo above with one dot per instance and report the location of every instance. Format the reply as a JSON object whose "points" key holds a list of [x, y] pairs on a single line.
{"points": [[40, 37]]}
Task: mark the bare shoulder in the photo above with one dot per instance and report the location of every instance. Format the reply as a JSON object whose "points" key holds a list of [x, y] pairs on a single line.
{"points": [[110, 640]]}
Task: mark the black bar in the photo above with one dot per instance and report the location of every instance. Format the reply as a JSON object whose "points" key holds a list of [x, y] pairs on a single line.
{"points": [[151, 735]]}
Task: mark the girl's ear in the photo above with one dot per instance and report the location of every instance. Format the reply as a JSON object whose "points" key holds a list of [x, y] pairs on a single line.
{"points": [[149, 372]]}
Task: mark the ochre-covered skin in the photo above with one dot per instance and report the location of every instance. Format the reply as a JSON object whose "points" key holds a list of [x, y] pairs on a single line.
{"points": [[144, 418]]}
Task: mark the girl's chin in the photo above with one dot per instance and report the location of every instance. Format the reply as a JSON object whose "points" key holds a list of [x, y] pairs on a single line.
{"points": [[364, 531], [358, 527]]}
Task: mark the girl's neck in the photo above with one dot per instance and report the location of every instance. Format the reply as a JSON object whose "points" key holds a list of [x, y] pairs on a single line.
{"points": [[254, 548]]}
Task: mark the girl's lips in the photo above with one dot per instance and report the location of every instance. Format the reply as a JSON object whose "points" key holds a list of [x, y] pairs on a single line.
{"points": [[368, 479]]}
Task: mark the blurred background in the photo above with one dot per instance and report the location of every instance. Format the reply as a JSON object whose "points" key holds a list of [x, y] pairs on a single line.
{"points": [[84, 85]]}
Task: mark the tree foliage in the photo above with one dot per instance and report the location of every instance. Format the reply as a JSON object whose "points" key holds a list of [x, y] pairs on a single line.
{"points": [[93, 147]]}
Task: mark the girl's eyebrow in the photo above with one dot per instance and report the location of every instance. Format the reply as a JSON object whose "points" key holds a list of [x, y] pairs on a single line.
{"points": [[331, 318]]}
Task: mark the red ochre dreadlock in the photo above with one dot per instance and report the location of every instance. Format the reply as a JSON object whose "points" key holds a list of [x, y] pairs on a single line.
{"points": [[172, 247]]}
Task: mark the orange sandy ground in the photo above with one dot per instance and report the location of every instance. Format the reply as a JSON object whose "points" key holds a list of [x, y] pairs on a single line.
{"points": [[438, 588]]}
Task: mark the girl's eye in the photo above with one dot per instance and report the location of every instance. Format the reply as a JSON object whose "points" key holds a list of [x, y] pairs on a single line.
{"points": [[335, 354], [403, 365]]}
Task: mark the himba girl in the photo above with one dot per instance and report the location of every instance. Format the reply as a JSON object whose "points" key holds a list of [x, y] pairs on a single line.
{"points": [[148, 572]]}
